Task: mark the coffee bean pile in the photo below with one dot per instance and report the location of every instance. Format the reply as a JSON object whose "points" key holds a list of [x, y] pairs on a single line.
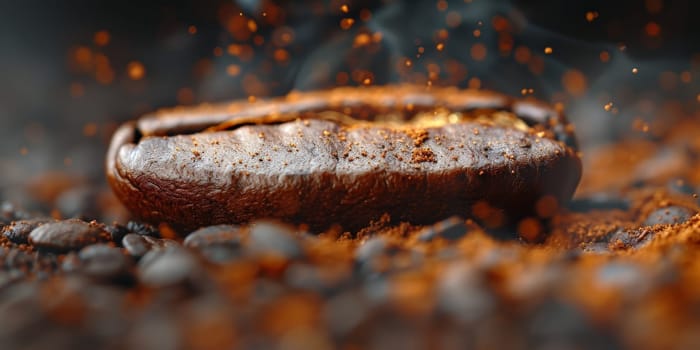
{"points": [[610, 276]]}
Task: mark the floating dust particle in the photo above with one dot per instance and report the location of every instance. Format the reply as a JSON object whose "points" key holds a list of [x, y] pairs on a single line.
{"points": [[522, 54], [136, 70], [192, 30], [574, 82], [361, 39], [548, 50], [635, 70], [233, 70], [652, 29], [344, 8], [476, 33], [185, 96], [252, 99], [281, 55], [252, 26], [440, 46], [453, 19], [101, 38], [346, 23], [90, 129], [408, 63], [640, 125], [608, 106], [686, 77], [604, 56], [592, 16], [77, 90], [365, 15], [441, 5], [478, 52], [422, 155], [530, 229]]}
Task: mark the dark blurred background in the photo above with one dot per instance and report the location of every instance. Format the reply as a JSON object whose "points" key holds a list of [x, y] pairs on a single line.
{"points": [[72, 70]]}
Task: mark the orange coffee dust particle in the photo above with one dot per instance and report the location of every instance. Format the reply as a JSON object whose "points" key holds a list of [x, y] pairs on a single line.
{"points": [[346, 23], [101, 38], [652, 29], [422, 155], [478, 52], [591, 16], [135, 70], [574, 82]]}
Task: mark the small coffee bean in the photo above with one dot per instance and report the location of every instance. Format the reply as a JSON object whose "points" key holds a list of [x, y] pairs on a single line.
{"points": [[668, 216], [19, 259], [450, 229], [372, 251], [214, 235], [117, 232], [463, 294], [600, 201], [67, 235], [142, 229], [18, 231], [136, 245], [162, 268], [680, 186], [272, 238], [103, 262]]}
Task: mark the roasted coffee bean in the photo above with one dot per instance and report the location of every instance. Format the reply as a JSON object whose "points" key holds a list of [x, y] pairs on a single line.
{"points": [[117, 232], [668, 216], [451, 229], [218, 244], [163, 268], [7, 213], [142, 229], [138, 245], [214, 235], [371, 252], [104, 262], [18, 259], [341, 157], [464, 295], [559, 325], [680, 186], [631, 238], [67, 235], [273, 238], [18, 231], [600, 201]]}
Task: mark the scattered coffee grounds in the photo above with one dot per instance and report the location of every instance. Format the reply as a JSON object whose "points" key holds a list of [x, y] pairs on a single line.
{"points": [[346, 157]]}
